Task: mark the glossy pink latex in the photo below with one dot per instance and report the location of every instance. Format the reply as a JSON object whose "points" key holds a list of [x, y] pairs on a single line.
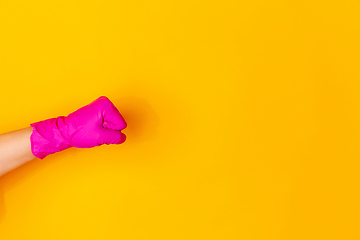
{"points": [[95, 124]]}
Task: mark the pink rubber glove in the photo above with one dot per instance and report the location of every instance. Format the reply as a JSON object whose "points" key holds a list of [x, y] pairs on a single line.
{"points": [[95, 124]]}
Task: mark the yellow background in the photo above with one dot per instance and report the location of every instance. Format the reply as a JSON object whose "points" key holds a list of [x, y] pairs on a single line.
{"points": [[243, 119]]}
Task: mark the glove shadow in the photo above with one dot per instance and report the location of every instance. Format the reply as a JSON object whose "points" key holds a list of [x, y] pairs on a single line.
{"points": [[142, 120]]}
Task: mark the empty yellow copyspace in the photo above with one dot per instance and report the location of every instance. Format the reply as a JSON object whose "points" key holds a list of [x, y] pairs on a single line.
{"points": [[243, 119]]}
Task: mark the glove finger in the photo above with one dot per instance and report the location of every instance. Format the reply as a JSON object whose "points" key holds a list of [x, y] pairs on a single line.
{"points": [[109, 136], [112, 117]]}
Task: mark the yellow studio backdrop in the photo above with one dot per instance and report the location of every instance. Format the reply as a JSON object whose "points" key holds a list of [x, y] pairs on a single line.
{"points": [[243, 119]]}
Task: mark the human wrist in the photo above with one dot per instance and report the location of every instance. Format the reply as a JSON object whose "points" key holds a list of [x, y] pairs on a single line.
{"points": [[49, 137]]}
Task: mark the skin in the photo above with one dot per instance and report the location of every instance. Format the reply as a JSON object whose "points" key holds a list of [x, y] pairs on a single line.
{"points": [[15, 149]]}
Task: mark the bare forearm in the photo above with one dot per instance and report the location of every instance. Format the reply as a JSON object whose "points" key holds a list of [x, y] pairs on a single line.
{"points": [[15, 149]]}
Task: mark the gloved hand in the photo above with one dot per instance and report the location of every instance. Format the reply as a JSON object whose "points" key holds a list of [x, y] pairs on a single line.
{"points": [[97, 123]]}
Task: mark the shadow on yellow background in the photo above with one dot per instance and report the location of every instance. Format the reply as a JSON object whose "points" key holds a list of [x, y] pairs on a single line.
{"points": [[2, 204], [143, 122]]}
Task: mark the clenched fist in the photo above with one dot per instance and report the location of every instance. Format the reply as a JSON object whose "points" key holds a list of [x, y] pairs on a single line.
{"points": [[95, 124]]}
